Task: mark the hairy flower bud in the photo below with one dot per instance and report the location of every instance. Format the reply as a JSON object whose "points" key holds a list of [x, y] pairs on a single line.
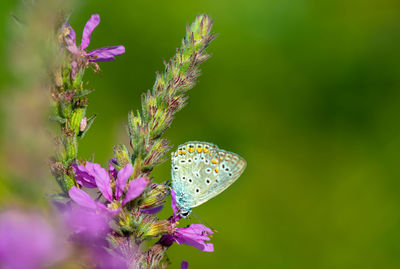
{"points": [[154, 196], [121, 154]]}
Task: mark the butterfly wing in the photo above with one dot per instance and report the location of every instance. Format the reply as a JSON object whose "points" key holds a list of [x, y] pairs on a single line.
{"points": [[188, 171], [200, 171], [228, 169]]}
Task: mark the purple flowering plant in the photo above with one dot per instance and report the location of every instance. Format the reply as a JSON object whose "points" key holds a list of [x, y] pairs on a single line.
{"points": [[111, 214], [80, 58]]}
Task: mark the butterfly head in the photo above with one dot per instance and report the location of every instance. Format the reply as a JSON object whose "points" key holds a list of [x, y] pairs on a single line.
{"points": [[185, 212]]}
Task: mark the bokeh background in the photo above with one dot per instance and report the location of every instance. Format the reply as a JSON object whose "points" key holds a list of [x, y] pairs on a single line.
{"points": [[307, 91]]}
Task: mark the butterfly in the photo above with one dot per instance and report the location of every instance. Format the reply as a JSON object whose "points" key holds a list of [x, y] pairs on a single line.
{"points": [[200, 171]]}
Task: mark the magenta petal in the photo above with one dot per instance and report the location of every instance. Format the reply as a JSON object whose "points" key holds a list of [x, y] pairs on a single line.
{"points": [[103, 182], [184, 265], [71, 34], [89, 224], [173, 202], [28, 241], [136, 187], [82, 198], [122, 178], [87, 31], [195, 235], [70, 40], [85, 175], [105, 54], [111, 169]]}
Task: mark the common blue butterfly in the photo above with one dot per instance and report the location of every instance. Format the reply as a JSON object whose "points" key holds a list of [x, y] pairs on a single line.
{"points": [[201, 171]]}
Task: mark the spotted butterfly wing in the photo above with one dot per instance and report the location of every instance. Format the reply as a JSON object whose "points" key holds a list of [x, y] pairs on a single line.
{"points": [[201, 171]]}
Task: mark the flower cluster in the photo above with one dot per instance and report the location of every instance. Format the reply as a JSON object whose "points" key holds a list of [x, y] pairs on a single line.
{"points": [[92, 175]]}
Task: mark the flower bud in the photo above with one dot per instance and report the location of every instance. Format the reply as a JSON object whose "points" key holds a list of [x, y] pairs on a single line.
{"points": [[76, 119], [121, 153], [144, 225], [83, 124], [154, 196]]}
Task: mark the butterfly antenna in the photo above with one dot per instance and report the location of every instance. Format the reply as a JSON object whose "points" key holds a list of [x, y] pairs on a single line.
{"points": [[204, 222]]}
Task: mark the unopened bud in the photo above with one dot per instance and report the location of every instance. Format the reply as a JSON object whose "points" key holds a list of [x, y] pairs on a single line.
{"points": [[121, 153], [154, 196], [83, 124]]}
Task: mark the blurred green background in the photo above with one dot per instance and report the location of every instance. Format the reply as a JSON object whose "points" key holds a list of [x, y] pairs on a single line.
{"points": [[308, 92]]}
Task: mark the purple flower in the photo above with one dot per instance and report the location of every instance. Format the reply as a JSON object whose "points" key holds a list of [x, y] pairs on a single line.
{"points": [[194, 235], [81, 58], [99, 176], [28, 241]]}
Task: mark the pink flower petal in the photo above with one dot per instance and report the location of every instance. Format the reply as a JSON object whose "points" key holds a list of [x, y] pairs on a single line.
{"points": [[136, 187], [28, 240], [105, 54], [111, 169], [85, 175], [122, 179], [82, 198], [87, 31], [195, 235], [173, 202], [71, 35], [103, 182]]}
